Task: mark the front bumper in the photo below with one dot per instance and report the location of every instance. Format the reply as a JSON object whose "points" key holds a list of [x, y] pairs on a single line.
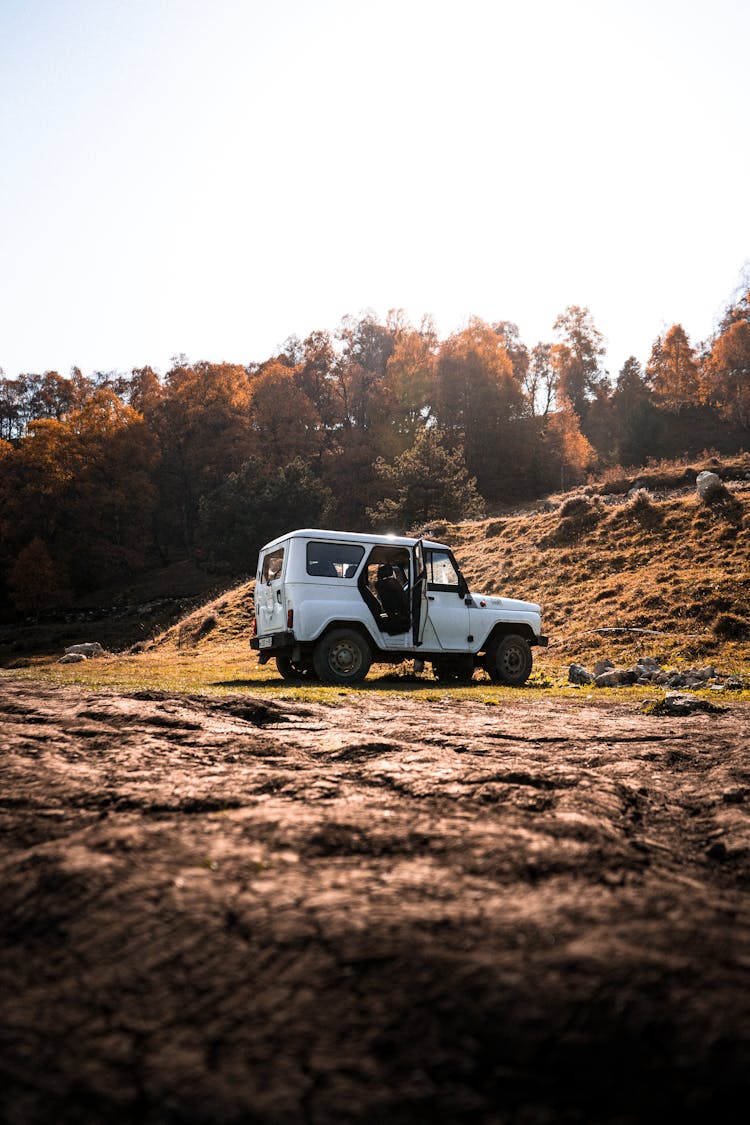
{"points": [[273, 641]]}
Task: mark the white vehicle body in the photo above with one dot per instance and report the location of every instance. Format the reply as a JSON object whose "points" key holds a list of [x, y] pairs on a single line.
{"points": [[314, 584]]}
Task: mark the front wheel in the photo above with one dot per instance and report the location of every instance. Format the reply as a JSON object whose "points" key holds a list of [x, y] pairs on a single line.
{"points": [[343, 656], [509, 661]]}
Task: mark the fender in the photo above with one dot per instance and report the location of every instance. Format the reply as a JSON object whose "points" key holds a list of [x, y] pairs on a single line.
{"points": [[314, 618]]}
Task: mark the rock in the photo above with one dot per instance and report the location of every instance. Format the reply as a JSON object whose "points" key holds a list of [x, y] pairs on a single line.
{"points": [[680, 703], [617, 677], [71, 658], [602, 666], [577, 674], [88, 650], [647, 669], [709, 486]]}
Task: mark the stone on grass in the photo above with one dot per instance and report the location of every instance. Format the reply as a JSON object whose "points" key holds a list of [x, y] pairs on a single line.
{"points": [[90, 649], [71, 658], [680, 703], [709, 486], [616, 677], [577, 674]]}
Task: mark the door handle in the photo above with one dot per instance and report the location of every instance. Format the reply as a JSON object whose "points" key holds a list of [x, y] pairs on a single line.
{"points": [[278, 596], [430, 597]]}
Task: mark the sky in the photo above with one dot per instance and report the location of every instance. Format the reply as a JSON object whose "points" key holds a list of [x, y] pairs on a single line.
{"points": [[209, 177]]}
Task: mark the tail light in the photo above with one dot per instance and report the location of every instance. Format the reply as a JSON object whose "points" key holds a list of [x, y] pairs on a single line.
{"points": [[255, 626], [290, 618]]}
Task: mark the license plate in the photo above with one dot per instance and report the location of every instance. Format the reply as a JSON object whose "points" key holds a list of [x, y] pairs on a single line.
{"points": [[265, 642]]}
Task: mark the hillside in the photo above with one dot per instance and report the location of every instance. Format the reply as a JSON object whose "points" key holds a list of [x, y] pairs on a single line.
{"points": [[636, 552], [640, 553]]}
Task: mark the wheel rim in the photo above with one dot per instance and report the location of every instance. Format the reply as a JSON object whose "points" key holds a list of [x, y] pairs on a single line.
{"points": [[345, 658], [513, 660]]}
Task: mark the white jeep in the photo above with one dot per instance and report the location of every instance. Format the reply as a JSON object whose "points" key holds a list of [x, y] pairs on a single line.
{"points": [[328, 604]]}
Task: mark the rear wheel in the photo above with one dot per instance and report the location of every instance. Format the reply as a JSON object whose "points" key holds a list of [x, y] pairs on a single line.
{"points": [[509, 661], [295, 669], [453, 669], [343, 656]]}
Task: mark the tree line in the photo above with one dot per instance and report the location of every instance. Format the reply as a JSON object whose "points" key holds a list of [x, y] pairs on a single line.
{"points": [[379, 424]]}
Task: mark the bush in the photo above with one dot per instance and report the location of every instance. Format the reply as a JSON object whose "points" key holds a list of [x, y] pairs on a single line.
{"points": [[731, 627]]}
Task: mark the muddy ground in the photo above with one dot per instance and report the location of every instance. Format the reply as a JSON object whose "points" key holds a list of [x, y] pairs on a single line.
{"points": [[229, 909]]}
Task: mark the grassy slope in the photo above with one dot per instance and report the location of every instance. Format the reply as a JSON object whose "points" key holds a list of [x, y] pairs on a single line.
{"points": [[597, 559]]}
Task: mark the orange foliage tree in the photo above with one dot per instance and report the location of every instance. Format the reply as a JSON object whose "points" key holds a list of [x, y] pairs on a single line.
{"points": [[479, 406], [673, 371], [202, 423], [82, 486], [726, 370], [284, 423], [577, 358]]}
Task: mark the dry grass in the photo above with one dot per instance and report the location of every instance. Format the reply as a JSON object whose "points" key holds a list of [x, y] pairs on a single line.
{"points": [[674, 566], [667, 564]]}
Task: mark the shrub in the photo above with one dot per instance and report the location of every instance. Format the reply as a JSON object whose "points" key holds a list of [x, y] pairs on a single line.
{"points": [[731, 627], [641, 506]]}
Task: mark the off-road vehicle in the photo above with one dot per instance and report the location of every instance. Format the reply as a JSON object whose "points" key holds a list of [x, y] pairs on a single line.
{"points": [[328, 604]]}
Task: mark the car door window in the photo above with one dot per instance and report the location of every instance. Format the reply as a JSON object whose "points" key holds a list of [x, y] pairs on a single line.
{"points": [[441, 571]]}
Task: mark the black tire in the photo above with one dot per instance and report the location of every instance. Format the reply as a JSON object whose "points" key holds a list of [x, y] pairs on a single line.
{"points": [[295, 670], [343, 656], [453, 669], [510, 660]]}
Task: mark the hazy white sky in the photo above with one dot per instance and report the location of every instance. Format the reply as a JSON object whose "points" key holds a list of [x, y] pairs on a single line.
{"points": [[211, 176]]}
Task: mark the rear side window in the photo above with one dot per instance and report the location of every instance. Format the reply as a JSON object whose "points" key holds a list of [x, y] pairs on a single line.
{"points": [[333, 560], [272, 564]]}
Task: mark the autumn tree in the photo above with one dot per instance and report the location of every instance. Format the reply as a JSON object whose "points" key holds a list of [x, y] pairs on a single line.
{"points": [[143, 391], [366, 348], [635, 422], [409, 375], [427, 482], [540, 380], [366, 413], [31, 397], [673, 371], [516, 350], [284, 423], [726, 370], [479, 405], [202, 423], [82, 486], [577, 358], [36, 582], [315, 371], [568, 454]]}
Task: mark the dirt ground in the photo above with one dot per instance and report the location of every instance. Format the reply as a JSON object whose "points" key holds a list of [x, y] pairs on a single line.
{"points": [[230, 909]]}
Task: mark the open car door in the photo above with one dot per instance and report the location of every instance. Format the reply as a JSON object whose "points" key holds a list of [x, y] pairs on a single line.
{"points": [[418, 594]]}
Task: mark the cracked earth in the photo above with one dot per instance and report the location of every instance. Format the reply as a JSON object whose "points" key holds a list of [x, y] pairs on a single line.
{"points": [[233, 909]]}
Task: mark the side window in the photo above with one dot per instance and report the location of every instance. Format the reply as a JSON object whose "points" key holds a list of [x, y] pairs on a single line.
{"points": [[441, 571], [333, 560], [272, 565]]}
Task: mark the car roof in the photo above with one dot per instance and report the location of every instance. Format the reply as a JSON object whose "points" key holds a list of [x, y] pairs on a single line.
{"points": [[351, 537]]}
